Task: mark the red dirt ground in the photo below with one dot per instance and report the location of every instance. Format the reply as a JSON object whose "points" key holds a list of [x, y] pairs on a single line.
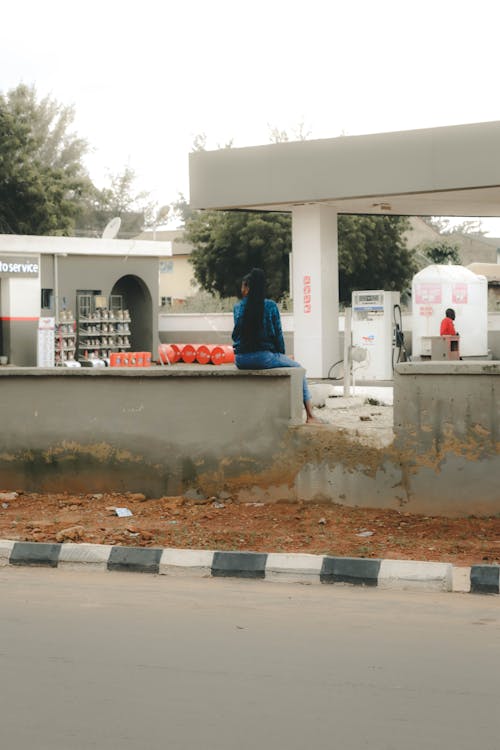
{"points": [[221, 524]]}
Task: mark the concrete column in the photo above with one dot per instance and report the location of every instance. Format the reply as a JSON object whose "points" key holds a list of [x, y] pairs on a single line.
{"points": [[315, 288], [20, 314]]}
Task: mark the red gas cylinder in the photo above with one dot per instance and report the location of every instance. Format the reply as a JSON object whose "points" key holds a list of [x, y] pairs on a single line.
{"points": [[228, 354], [217, 355], [169, 353], [203, 352], [188, 353]]}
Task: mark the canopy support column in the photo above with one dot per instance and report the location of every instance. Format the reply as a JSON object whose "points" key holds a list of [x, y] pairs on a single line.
{"points": [[315, 288]]}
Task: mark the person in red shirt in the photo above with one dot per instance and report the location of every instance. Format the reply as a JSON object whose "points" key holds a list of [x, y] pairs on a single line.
{"points": [[447, 325]]}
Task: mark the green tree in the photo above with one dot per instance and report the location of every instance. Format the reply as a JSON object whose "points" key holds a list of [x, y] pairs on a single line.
{"points": [[228, 244], [373, 254], [135, 208], [42, 179], [372, 251], [181, 210], [49, 123], [447, 226], [441, 253]]}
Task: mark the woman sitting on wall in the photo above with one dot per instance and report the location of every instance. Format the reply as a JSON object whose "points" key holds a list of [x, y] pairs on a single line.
{"points": [[258, 336]]}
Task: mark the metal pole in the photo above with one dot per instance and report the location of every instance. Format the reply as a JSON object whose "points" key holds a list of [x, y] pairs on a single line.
{"points": [[56, 289], [347, 351]]}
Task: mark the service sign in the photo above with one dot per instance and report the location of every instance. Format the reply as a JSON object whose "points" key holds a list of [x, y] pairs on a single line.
{"points": [[19, 265]]}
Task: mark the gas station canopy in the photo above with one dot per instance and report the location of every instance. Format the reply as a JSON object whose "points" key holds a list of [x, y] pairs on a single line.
{"points": [[446, 171]]}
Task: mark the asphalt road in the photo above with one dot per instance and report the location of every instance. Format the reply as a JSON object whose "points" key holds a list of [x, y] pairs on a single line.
{"points": [[119, 660]]}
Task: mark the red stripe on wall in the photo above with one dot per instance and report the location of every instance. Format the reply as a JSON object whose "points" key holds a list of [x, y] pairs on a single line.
{"points": [[30, 319]]}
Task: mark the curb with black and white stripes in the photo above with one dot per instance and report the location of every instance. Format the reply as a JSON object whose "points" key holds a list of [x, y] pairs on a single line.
{"points": [[289, 568]]}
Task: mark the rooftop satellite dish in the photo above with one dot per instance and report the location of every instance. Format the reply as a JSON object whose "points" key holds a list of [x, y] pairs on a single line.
{"points": [[112, 228]]}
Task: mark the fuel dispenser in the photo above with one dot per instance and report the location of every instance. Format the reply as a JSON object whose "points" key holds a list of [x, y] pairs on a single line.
{"points": [[376, 328]]}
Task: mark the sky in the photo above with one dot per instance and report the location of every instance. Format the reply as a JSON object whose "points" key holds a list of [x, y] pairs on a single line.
{"points": [[146, 77]]}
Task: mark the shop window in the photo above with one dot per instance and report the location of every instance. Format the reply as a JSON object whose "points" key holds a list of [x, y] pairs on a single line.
{"points": [[47, 300], [166, 266], [86, 301]]}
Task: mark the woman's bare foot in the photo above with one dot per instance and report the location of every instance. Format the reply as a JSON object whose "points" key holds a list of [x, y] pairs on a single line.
{"points": [[313, 420], [310, 418]]}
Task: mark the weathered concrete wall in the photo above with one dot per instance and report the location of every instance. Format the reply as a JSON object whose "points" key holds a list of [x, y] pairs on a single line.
{"points": [[151, 429], [164, 430], [447, 427], [445, 458]]}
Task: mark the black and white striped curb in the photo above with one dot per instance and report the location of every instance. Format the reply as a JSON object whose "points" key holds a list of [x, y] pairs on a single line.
{"points": [[290, 568]]}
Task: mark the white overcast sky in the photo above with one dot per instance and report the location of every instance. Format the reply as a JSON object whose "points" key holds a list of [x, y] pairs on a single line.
{"points": [[147, 76]]}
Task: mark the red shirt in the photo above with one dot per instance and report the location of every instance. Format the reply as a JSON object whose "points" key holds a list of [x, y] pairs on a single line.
{"points": [[447, 328]]}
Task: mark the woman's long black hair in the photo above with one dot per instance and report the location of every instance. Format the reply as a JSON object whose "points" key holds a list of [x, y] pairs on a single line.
{"points": [[253, 316]]}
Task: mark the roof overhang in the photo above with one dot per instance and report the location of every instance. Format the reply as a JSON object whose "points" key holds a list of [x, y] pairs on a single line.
{"points": [[447, 171], [46, 245]]}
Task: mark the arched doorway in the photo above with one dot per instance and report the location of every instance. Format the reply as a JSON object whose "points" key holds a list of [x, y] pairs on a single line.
{"points": [[137, 300]]}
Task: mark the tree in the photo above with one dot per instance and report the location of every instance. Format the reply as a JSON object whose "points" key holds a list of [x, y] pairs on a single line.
{"points": [[181, 210], [299, 133], [444, 225], [372, 251], [373, 254], [44, 186], [135, 209], [227, 244], [43, 182], [441, 253]]}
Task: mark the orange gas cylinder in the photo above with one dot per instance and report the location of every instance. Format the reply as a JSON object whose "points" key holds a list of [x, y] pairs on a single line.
{"points": [[217, 355], [188, 353], [203, 354], [228, 354], [168, 353], [146, 359]]}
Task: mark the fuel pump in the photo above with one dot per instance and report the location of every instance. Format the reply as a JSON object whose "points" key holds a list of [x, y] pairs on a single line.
{"points": [[374, 328]]}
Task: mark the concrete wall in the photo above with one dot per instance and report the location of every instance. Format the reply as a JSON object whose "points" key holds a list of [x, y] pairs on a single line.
{"points": [[215, 328], [154, 430], [447, 427], [209, 328], [165, 430]]}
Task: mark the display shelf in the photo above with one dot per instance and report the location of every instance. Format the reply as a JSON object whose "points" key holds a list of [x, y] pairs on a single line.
{"points": [[102, 330], [65, 338]]}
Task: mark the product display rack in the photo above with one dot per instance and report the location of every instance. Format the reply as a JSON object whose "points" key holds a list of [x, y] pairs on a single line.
{"points": [[102, 330], [64, 338]]}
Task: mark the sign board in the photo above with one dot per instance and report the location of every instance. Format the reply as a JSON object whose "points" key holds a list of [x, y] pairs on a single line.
{"points": [[46, 342], [16, 265], [459, 294], [429, 293], [307, 294]]}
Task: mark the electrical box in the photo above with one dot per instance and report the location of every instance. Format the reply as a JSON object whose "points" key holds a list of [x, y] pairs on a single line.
{"points": [[440, 347], [373, 328]]}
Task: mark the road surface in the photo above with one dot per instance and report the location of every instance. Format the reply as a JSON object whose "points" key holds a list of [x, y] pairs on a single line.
{"points": [[119, 660]]}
